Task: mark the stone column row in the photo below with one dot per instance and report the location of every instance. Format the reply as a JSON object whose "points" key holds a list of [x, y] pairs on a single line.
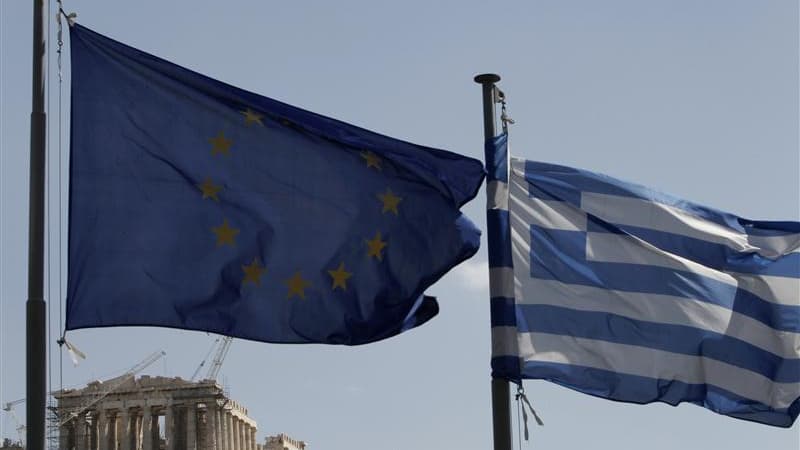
{"points": [[100, 429], [186, 428], [225, 431]]}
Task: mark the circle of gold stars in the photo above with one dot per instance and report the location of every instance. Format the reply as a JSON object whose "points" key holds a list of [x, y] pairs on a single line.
{"points": [[253, 272]]}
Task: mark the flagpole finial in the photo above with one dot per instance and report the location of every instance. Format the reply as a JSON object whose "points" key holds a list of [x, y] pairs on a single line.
{"points": [[487, 78]]}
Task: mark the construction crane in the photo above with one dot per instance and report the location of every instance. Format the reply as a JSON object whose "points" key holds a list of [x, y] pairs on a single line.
{"points": [[107, 388], [219, 357], [205, 358], [110, 386], [223, 344], [9, 408]]}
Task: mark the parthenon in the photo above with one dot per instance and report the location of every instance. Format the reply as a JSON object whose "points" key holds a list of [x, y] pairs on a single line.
{"points": [[153, 413]]}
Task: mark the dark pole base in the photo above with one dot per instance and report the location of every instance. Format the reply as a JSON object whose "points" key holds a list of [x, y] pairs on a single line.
{"points": [[36, 392], [501, 420]]}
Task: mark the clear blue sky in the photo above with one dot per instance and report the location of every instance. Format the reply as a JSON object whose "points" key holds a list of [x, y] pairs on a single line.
{"points": [[699, 99]]}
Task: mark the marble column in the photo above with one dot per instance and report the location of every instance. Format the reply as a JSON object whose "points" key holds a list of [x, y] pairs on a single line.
{"points": [[249, 435], [214, 427], [237, 438], [191, 427], [124, 429], [63, 436], [156, 431], [232, 431], [222, 428], [147, 428], [229, 432], [113, 430], [245, 435], [242, 434], [235, 433], [169, 424], [137, 430], [94, 432], [81, 433], [253, 442], [102, 430], [211, 426]]}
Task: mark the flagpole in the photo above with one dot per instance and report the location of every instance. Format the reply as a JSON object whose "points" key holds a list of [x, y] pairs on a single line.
{"points": [[501, 403], [35, 361]]}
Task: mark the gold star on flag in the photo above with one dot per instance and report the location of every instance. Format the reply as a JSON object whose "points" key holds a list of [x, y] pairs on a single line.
{"points": [[372, 159], [390, 201], [297, 286], [225, 234], [253, 272], [220, 144], [375, 246], [209, 190], [340, 276], [251, 117]]}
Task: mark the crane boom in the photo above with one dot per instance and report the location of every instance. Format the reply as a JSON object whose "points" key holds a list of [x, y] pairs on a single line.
{"points": [[113, 385], [205, 358], [146, 362], [9, 405], [9, 408], [219, 357]]}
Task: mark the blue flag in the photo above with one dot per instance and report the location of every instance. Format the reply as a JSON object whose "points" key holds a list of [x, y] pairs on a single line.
{"points": [[198, 205], [619, 291]]}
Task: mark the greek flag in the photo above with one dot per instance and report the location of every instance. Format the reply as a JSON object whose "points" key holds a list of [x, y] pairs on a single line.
{"points": [[625, 293]]}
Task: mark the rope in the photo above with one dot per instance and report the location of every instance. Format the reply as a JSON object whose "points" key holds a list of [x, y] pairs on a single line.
{"points": [[51, 431], [519, 425], [521, 396], [60, 213], [48, 196], [505, 119], [73, 351]]}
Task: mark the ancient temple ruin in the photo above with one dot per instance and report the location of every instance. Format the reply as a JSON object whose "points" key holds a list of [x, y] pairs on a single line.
{"points": [[153, 413], [283, 442]]}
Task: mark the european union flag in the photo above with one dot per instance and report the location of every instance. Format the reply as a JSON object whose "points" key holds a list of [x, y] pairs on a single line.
{"points": [[198, 205]]}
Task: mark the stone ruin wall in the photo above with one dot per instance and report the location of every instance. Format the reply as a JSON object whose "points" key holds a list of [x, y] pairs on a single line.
{"points": [[196, 416]]}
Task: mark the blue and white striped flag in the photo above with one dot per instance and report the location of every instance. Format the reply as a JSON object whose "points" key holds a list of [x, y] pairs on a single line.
{"points": [[629, 294]]}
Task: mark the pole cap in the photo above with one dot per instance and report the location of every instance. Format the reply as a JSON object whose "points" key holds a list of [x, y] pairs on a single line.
{"points": [[487, 78]]}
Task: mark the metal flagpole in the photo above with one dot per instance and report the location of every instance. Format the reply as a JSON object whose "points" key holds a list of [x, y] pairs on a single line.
{"points": [[501, 401], [36, 333]]}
